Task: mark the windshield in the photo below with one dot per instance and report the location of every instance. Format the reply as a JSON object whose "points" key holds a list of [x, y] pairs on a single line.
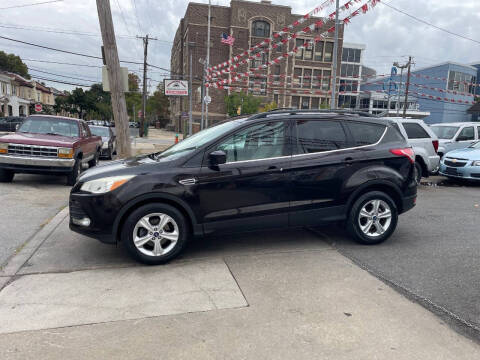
{"points": [[100, 131], [194, 142], [49, 126], [445, 132]]}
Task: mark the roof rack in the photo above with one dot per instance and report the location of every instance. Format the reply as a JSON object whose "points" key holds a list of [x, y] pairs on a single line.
{"points": [[291, 111]]}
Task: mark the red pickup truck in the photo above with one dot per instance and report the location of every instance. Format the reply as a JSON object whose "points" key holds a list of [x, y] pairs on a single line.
{"points": [[49, 144]]}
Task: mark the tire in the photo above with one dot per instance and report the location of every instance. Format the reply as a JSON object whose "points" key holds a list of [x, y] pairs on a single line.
{"points": [[109, 154], [95, 159], [6, 176], [76, 171], [151, 239], [417, 173], [373, 234]]}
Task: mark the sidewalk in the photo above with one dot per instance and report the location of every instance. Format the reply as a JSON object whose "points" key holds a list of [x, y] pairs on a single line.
{"points": [[271, 295], [157, 140]]}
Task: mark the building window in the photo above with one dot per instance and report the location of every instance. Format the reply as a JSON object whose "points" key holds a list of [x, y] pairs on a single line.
{"points": [[461, 82], [261, 29], [317, 79], [308, 52], [258, 61], [298, 43], [297, 77], [276, 99], [276, 70], [307, 78], [328, 52], [319, 51], [347, 101], [295, 102], [326, 77], [305, 103], [315, 103], [348, 85], [351, 55]]}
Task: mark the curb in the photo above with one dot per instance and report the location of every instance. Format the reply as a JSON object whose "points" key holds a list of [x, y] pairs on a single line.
{"points": [[16, 262]]}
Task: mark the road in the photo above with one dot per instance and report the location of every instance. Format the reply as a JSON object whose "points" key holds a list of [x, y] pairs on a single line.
{"points": [[433, 257], [26, 204]]}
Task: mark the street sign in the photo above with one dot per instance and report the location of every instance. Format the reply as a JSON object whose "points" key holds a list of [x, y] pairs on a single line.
{"points": [[38, 107], [176, 87], [106, 81], [207, 99]]}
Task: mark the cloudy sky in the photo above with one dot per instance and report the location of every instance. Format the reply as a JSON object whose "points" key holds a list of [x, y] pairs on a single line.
{"points": [[73, 25]]}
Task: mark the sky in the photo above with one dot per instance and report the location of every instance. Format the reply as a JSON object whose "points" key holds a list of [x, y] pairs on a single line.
{"points": [[73, 25]]}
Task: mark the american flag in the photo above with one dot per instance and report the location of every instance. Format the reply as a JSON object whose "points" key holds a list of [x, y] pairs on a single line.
{"points": [[227, 39]]}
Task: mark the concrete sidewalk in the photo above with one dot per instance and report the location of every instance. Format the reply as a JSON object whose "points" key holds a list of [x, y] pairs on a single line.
{"points": [[271, 295]]}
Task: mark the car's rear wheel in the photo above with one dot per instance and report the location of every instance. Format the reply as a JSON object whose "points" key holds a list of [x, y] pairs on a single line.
{"points": [[155, 233], [373, 218], [75, 173], [95, 159], [417, 173], [6, 175]]}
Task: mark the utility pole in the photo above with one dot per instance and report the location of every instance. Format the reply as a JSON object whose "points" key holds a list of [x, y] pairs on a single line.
{"points": [[119, 105], [335, 58], [191, 45], [202, 95], [144, 94], [401, 67], [207, 60], [407, 86]]}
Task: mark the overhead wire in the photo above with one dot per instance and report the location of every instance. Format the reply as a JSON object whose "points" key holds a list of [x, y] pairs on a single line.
{"points": [[31, 4]]}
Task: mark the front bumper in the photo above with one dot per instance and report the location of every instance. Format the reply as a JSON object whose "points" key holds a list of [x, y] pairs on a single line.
{"points": [[35, 164], [101, 211], [464, 172]]}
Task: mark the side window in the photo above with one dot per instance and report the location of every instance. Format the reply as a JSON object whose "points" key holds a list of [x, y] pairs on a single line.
{"points": [[415, 131], [319, 135], [478, 132], [466, 134], [261, 141], [365, 133]]}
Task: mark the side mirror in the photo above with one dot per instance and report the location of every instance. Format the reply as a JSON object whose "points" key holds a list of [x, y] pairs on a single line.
{"points": [[217, 157], [16, 127]]}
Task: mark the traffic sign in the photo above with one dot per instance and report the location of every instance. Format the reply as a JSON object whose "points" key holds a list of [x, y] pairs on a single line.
{"points": [[38, 107], [207, 99]]}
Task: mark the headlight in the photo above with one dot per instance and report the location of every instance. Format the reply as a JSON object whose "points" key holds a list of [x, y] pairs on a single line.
{"points": [[105, 145], [476, 163], [3, 148], [104, 185], [66, 153]]}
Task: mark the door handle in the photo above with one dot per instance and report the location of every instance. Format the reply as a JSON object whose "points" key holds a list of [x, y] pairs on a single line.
{"points": [[348, 161], [273, 169]]}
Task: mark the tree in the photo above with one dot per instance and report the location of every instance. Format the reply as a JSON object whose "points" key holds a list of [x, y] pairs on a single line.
{"points": [[133, 82], [14, 64], [269, 107], [249, 104], [158, 105]]}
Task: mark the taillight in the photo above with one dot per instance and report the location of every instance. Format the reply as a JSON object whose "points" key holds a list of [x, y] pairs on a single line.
{"points": [[435, 145], [407, 152]]}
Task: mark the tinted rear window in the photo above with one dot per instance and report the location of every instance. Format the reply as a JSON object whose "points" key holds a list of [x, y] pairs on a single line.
{"points": [[365, 133], [415, 131], [320, 135]]}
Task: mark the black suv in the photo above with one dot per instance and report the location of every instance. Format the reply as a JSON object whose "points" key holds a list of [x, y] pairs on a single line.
{"points": [[275, 169]]}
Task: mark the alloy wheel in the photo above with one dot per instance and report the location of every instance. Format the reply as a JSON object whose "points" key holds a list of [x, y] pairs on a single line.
{"points": [[375, 218], [155, 234]]}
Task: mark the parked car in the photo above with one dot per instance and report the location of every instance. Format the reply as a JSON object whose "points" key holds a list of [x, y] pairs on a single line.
{"points": [[133, 124], [109, 141], [49, 144], [462, 163], [10, 123], [424, 143], [275, 169], [457, 135], [98, 122]]}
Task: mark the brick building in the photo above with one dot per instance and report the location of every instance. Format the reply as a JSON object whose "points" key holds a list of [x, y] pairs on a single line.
{"points": [[249, 23]]}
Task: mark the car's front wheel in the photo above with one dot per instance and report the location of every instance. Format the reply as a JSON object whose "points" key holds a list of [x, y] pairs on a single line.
{"points": [[74, 173], [373, 218], [155, 233], [6, 175]]}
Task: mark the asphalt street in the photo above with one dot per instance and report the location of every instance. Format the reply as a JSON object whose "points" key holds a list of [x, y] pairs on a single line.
{"points": [[433, 257], [26, 205]]}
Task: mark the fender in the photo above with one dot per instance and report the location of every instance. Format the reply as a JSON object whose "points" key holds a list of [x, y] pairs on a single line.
{"points": [[372, 183], [197, 229]]}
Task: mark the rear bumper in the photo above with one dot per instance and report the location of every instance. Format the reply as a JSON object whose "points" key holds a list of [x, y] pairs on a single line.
{"points": [[36, 164]]}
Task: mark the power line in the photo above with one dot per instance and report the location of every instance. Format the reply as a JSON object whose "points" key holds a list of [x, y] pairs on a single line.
{"points": [[62, 63], [60, 82], [65, 51], [32, 4], [430, 24], [136, 16], [65, 76], [123, 17]]}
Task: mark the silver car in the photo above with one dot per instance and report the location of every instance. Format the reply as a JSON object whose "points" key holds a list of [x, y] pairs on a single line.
{"points": [[454, 136], [424, 143]]}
